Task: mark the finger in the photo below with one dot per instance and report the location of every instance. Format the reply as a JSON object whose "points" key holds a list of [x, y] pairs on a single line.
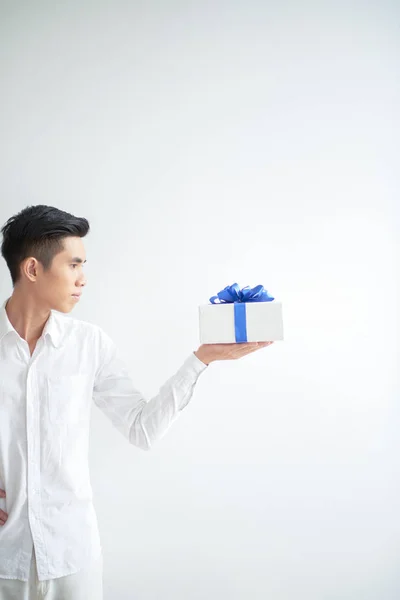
{"points": [[238, 345], [250, 350], [3, 515], [251, 344], [245, 345], [243, 349], [242, 353], [2, 523], [2, 494]]}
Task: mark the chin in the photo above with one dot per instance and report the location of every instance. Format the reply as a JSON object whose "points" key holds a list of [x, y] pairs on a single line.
{"points": [[63, 308]]}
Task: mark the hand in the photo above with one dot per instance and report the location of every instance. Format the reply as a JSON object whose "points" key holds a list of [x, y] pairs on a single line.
{"points": [[210, 352], [3, 515]]}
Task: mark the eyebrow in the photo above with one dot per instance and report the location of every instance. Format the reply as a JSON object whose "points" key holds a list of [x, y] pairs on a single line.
{"points": [[78, 260]]}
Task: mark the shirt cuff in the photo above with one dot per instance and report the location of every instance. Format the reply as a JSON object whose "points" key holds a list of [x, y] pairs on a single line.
{"points": [[194, 365]]}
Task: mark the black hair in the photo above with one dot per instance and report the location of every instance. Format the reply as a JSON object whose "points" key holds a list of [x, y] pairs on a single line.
{"points": [[38, 231]]}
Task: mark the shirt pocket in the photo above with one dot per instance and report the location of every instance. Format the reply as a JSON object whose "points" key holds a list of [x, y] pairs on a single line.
{"points": [[67, 398]]}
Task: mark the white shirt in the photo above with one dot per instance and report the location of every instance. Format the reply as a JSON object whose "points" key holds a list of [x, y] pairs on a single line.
{"points": [[45, 404]]}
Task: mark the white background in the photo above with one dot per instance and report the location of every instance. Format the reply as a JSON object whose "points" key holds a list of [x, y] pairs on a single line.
{"points": [[210, 143]]}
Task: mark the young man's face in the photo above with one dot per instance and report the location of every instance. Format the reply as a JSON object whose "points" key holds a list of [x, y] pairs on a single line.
{"points": [[60, 287]]}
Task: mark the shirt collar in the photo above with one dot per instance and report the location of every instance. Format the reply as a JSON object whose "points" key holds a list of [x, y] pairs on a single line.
{"points": [[52, 328], [5, 325]]}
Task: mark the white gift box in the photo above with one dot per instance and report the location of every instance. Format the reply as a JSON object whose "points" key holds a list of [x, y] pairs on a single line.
{"points": [[263, 322]]}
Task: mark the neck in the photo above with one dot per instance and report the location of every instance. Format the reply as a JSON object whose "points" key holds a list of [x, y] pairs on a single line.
{"points": [[26, 315]]}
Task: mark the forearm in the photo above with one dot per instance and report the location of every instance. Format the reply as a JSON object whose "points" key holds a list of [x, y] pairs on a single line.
{"points": [[156, 416]]}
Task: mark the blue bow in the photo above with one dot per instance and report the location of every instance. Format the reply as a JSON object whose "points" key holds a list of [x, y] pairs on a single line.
{"points": [[239, 297], [232, 293]]}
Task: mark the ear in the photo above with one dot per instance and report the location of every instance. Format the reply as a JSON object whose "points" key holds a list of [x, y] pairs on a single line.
{"points": [[30, 268]]}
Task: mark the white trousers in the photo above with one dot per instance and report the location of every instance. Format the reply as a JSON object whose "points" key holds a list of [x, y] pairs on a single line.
{"points": [[87, 584]]}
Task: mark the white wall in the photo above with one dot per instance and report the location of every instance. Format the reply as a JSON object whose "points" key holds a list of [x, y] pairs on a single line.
{"points": [[209, 143]]}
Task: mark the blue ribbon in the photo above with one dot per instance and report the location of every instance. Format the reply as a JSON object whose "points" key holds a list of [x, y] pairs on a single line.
{"points": [[239, 297]]}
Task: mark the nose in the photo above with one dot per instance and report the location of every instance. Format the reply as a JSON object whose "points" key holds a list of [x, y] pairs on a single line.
{"points": [[82, 281]]}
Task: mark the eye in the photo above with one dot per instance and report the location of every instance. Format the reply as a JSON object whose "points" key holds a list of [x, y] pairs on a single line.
{"points": [[74, 265]]}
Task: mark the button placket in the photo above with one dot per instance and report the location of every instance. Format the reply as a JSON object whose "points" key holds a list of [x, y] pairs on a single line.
{"points": [[33, 451]]}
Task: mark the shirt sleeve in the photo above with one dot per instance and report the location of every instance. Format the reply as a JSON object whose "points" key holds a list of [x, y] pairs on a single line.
{"points": [[141, 421]]}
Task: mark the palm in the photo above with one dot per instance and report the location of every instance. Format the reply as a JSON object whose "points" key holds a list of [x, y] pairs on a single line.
{"points": [[211, 352]]}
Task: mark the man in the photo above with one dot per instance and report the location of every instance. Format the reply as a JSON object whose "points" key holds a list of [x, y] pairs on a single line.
{"points": [[51, 367]]}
